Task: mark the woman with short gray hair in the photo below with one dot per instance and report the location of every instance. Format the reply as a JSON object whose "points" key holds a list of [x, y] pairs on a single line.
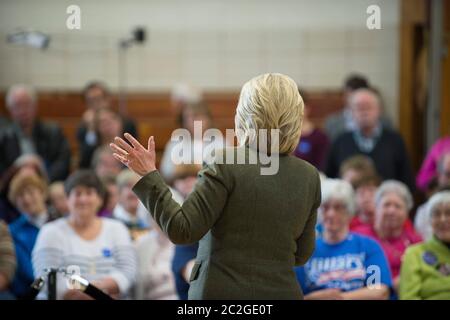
{"points": [[426, 267], [341, 264], [392, 227], [397, 187]]}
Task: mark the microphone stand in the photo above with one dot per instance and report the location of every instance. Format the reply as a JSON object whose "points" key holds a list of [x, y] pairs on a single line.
{"points": [[89, 289], [51, 283], [75, 282], [34, 290]]}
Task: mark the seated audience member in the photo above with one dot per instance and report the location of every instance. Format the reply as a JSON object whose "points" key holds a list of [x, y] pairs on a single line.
{"points": [[96, 96], [108, 124], [365, 189], [29, 135], [58, 199], [155, 280], [28, 193], [104, 164], [107, 168], [342, 263], [356, 168], [4, 122], [28, 164], [197, 112], [181, 95], [182, 264], [370, 138], [421, 220], [425, 272], [184, 179], [100, 247], [129, 209], [155, 252], [343, 121], [429, 167], [111, 196], [392, 204], [31, 163], [7, 262], [313, 141]]}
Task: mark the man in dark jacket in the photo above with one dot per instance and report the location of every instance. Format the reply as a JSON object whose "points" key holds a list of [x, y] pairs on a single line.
{"points": [[342, 121], [28, 135], [370, 138]]}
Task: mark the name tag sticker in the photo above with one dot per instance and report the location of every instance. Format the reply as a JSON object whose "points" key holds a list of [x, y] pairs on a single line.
{"points": [[106, 253]]}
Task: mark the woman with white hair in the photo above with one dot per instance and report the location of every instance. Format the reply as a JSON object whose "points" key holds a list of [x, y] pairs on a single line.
{"points": [[343, 264], [253, 227], [391, 227], [425, 272]]}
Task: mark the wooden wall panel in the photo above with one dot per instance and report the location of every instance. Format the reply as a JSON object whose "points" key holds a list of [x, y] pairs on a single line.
{"points": [[413, 16], [445, 103]]}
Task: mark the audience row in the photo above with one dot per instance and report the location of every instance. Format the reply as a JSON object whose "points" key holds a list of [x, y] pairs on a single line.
{"points": [[91, 222]]}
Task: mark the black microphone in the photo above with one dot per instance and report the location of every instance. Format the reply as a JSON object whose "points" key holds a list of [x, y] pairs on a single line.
{"points": [[139, 35], [34, 289], [91, 290]]}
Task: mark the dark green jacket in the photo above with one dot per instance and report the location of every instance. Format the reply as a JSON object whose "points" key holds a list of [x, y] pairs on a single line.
{"points": [[252, 228]]}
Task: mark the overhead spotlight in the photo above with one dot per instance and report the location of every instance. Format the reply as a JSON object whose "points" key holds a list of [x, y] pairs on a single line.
{"points": [[34, 39], [138, 36]]}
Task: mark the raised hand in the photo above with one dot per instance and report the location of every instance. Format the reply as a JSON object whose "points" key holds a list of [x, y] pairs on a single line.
{"points": [[136, 157]]}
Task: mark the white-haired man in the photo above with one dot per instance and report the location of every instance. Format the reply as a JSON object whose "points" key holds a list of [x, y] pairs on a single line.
{"points": [[28, 135], [370, 138]]}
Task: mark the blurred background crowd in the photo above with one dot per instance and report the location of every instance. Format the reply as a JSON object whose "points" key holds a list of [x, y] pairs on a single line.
{"points": [[376, 125]]}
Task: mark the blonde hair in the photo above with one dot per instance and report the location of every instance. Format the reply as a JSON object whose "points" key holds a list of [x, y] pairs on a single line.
{"points": [[23, 181], [270, 101]]}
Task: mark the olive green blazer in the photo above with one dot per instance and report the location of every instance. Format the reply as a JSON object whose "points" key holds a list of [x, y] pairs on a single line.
{"points": [[253, 229]]}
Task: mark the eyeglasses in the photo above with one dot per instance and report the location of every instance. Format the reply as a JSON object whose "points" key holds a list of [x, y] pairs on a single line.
{"points": [[335, 206], [439, 214]]}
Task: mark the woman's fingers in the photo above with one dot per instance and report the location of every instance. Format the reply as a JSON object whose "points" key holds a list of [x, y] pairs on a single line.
{"points": [[120, 158], [120, 142], [151, 143], [133, 141], [119, 150], [136, 157]]}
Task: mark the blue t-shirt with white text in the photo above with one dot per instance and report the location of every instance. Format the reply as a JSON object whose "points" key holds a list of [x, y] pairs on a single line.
{"points": [[355, 262]]}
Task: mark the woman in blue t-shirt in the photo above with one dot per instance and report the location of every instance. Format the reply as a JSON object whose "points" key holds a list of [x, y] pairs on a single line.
{"points": [[344, 265]]}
